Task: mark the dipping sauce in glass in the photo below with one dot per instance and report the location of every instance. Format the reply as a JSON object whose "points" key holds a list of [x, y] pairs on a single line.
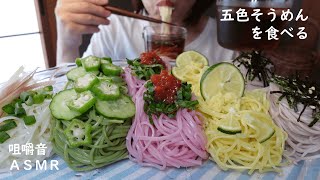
{"points": [[168, 43]]}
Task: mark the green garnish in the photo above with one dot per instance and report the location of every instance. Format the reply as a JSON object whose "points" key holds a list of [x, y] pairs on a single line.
{"points": [[183, 100], [19, 112], [37, 96], [91, 63], [78, 133], [8, 125], [29, 120], [257, 65], [16, 108], [9, 109], [3, 137], [144, 71], [297, 91]]}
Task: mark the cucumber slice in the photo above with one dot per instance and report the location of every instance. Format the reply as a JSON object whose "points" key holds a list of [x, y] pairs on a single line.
{"points": [[59, 108], [121, 108], [77, 72]]}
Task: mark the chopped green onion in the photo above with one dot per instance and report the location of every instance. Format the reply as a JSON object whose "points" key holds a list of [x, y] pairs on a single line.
{"points": [[29, 120], [29, 102], [19, 112], [17, 103], [48, 96], [10, 124], [24, 96], [3, 137], [143, 71], [48, 88], [9, 109], [38, 98]]}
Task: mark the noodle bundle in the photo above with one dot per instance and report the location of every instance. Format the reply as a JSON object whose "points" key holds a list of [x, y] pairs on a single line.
{"points": [[91, 131], [22, 134], [243, 151], [108, 143], [303, 141], [177, 142]]}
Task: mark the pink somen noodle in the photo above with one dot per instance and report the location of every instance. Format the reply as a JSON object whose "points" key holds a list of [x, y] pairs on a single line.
{"points": [[169, 142]]}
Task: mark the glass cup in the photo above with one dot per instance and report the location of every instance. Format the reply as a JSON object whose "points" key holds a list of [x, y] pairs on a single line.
{"points": [[239, 35], [166, 40]]}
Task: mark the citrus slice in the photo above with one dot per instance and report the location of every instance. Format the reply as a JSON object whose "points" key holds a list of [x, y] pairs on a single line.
{"points": [[189, 65], [229, 126], [222, 78], [192, 58], [180, 73], [187, 73], [258, 122], [268, 133]]}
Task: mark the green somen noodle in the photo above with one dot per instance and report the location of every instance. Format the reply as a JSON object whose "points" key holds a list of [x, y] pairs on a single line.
{"points": [[108, 142]]}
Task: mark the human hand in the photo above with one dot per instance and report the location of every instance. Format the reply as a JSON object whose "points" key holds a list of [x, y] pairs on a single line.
{"points": [[75, 18], [81, 16]]}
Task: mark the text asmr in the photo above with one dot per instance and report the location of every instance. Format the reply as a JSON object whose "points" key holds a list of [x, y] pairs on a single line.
{"points": [[28, 149]]}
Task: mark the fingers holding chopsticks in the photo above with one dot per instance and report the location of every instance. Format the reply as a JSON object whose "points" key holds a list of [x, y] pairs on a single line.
{"points": [[82, 16]]}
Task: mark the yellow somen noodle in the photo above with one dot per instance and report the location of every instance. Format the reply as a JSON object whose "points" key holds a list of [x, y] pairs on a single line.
{"points": [[245, 150]]}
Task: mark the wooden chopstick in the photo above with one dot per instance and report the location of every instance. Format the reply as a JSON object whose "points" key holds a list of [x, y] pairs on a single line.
{"points": [[123, 12]]}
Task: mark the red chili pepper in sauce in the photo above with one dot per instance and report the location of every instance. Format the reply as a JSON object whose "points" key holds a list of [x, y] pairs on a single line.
{"points": [[149, 58], [165, 87]]}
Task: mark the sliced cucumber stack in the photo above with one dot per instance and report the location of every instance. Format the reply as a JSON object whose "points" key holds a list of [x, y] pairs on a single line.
{"points": [[97, 84]]}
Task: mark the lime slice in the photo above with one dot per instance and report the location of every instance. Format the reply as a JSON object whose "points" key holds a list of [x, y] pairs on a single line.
{"points": [[256, 121], [191, 58], [222, 78], [189, 65], [268, 133], [180, 73], [186, 73], [229, 126]]}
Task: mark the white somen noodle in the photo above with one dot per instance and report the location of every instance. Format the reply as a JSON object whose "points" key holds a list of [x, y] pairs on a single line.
{"points": [[303, 141]]}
